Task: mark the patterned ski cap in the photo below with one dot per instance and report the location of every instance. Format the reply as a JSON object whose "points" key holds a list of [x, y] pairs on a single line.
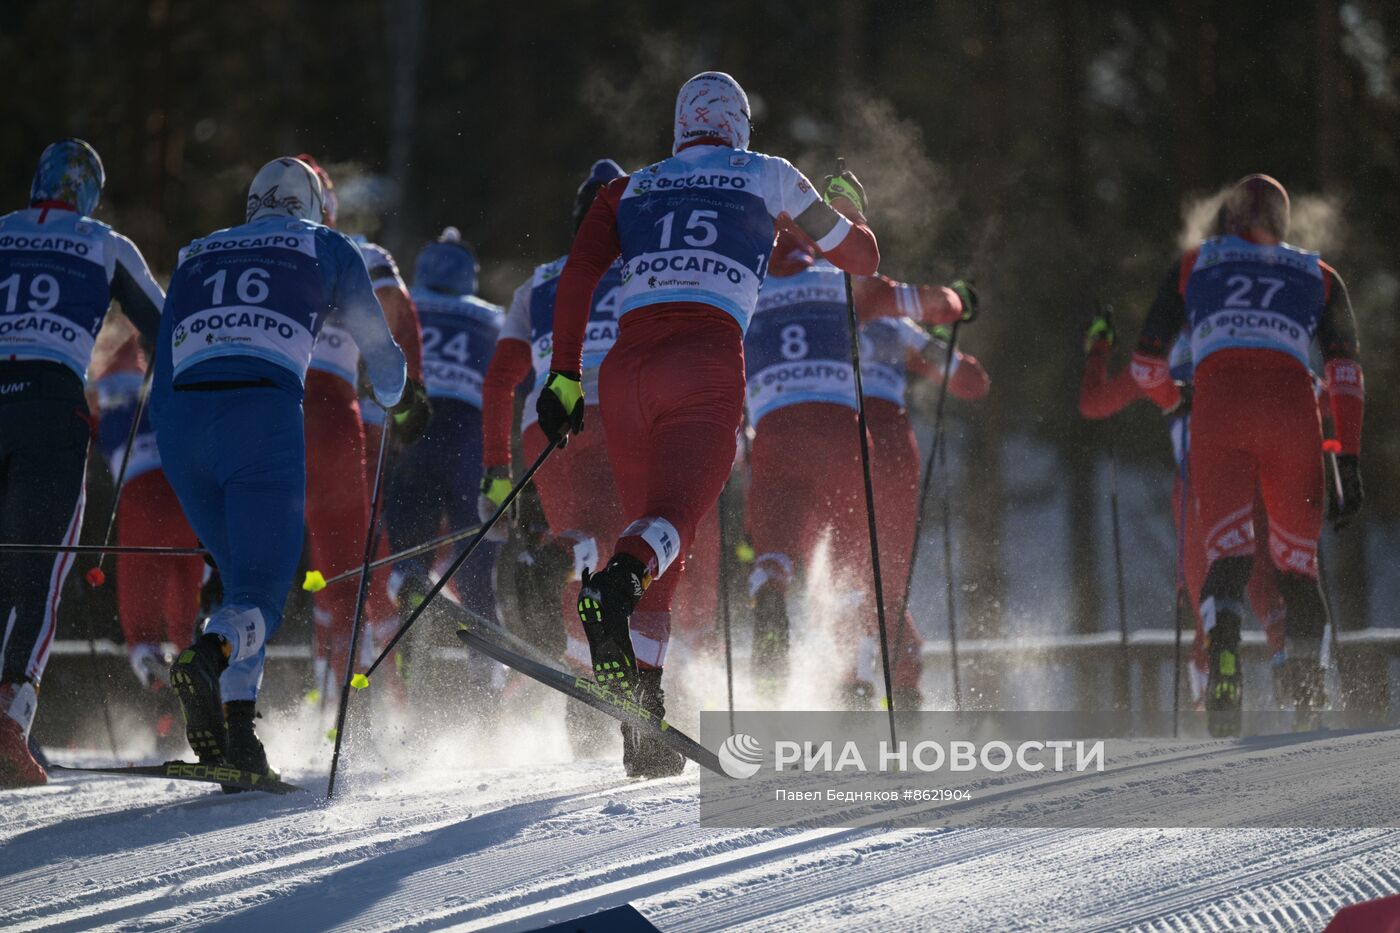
{"points": [[712, 104], [69, 171]]}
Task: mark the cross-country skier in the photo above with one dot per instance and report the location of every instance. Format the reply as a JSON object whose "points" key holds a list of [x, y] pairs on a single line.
{"points": [[59, 271], [694, 232], [802, 405], [338, 485], [1101, 396], [891, 347], [436, 481], [1254, 305], [157, 595], [576, 487], [246, 305]]}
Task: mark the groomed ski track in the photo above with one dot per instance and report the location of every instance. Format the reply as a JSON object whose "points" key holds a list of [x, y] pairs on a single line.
{"points": [[517, 848]]}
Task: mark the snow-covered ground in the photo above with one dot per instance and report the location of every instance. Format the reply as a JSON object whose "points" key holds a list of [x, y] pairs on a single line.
{"points": [[461, 841]]}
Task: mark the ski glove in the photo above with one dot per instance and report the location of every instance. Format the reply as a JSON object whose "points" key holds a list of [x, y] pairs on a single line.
{"points": [[847, 186], [1349, 474], [968, 296], [1100, 328], [495, 486], [409, 417], [1183, 401], [560, 406]]}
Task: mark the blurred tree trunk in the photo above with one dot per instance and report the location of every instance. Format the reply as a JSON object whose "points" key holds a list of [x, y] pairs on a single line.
{"points": [[404, 23], [978, 482], [1191, 95]]}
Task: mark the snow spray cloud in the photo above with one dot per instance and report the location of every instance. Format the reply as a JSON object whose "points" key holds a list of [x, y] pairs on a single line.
{"points": [[910, 193], [1039, 769], [1314, 221]]}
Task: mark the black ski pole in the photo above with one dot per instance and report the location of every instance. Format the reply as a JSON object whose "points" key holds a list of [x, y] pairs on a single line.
{"points": [[1182, 594], [362, 680], [149, 550], [1118, 563], [869, 493], [95, 576], [371, 541], [949, 587], [314, 584], [924, 487], [724, 557]]}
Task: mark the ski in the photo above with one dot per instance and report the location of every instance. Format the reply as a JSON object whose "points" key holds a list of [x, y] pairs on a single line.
{"points": [[226, 775], [584, 690]]}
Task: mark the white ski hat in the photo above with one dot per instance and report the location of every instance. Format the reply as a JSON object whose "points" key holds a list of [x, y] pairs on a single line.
{"points": [[712, 104], [287, 187]]}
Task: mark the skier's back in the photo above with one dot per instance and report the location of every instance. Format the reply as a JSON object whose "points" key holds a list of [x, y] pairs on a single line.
{"points": [[694, 232], [243, 313]]}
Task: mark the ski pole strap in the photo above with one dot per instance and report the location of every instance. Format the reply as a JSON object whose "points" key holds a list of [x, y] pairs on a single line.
{"points": [[466, 552]]}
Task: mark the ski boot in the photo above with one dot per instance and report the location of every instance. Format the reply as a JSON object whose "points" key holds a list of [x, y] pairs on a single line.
{"points": [[245, 749], [151, 665], [1306, 680], [908, 700], [195, 677], [605, 604], [1224, 684], [18, 767], [644, 755], [770, 640], [856, 695]]}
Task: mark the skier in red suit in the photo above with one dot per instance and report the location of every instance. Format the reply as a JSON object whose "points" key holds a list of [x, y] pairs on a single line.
{"points": [[694, 232], [1102, 396], [337, 489], [1253, 306], [892, 347]]}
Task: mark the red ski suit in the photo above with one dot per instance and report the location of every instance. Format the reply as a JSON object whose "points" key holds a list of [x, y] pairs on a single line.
{"points": [[1102, 397], [337, 486], [671, 391], [1255, 425], [896, 474]]}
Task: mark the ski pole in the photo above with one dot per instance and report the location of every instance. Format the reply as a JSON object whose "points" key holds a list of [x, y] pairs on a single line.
{"points": [[1182, 594], [361, 681], [102, 549], [724, 605], [1106, 313], [371, 541], [924, 487], [950, 590], [869, 492], [315, 582], [95, 577]]}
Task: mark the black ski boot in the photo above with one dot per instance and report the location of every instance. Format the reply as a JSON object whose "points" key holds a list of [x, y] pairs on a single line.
{"points": [[643, 755], [245, 749], [1306, 680], [195, 677], [770, 640], [1224, 686], [605, 604], [856, 695]]}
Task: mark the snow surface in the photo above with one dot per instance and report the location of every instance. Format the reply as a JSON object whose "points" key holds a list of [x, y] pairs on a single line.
{"points": [[463, 841]]}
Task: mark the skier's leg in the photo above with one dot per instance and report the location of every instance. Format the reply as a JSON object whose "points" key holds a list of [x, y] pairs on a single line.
{"points": [[1291, 486], [895, 472], [43, 456], [337, 513], [237, 461], [1224, 475], [155, 594]]}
